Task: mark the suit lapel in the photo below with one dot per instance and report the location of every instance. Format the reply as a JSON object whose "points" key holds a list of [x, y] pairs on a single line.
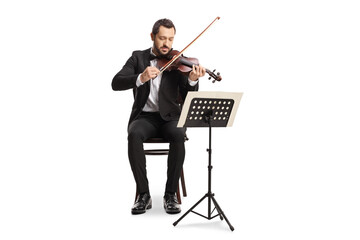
{"points": [[146, 61]]}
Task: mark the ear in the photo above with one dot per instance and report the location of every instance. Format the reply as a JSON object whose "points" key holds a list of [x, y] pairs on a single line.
{"points": [[152, 36]]}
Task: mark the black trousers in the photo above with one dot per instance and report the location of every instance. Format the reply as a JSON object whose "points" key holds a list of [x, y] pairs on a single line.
{"points": [[149, 125]]}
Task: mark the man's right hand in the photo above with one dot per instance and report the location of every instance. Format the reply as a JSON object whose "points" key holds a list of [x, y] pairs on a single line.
{"points": [[149, 73]]}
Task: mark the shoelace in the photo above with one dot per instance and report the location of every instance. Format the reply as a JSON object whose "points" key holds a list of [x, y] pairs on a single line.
{"points": [[171, 198]]}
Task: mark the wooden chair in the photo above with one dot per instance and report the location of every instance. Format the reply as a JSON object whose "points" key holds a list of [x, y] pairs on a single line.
{"points": [[158, 151]]}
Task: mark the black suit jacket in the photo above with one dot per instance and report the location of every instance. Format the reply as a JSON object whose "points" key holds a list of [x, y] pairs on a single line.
{"points": [[172, 84]]}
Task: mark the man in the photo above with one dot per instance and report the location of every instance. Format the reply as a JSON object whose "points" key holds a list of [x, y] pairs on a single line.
{"points": [[155, 112]]}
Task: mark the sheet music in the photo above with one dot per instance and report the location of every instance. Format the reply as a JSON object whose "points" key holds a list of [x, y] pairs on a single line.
{"points": [[236, 96]]}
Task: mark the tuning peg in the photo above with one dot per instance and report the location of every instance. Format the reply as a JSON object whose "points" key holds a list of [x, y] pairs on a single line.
{"points": [[209, 78], [213, 81], [214, 70], [218, 73]]}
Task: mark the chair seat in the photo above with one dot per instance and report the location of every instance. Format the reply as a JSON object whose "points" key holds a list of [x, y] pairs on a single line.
{"points": [[156, 140], [161, 140], [156, 151]]}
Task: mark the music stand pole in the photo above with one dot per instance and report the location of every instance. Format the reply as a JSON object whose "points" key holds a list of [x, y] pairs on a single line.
{"points": [[209, 194]]}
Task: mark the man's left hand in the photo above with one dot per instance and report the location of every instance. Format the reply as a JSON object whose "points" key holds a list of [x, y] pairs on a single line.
{"points": [[197, 72]]}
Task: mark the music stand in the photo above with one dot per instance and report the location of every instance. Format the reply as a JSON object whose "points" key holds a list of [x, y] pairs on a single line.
{"points": [[209, 109]]}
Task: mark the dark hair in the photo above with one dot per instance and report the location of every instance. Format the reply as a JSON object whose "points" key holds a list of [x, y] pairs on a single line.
{"points": [[162, 22]]}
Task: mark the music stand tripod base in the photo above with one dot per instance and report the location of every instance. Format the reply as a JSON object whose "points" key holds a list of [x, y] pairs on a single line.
{"points": [[210, 111]]}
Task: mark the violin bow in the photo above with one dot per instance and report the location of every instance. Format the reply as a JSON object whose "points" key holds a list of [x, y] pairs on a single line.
{"points": [[181, 52]]}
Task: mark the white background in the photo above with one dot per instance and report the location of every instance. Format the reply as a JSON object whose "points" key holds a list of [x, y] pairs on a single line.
{"points": [[287, 169]]}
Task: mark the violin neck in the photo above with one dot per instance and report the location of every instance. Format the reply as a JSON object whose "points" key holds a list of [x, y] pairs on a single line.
{"points": [[187, 63], [190, 64]]}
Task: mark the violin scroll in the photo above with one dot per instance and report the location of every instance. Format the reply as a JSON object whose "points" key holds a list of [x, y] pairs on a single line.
{"points": [[216, 77]]}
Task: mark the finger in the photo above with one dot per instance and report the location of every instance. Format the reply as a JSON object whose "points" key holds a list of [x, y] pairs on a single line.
{"points": [[151, 69], [197, 70], [154, 71], [154, 74], [203, 71]]}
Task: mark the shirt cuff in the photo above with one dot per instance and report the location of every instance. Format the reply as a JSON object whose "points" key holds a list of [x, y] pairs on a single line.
{"points": [[138, 81], [192, 83]]}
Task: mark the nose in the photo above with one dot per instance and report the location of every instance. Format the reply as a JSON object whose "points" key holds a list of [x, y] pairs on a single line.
{"points": [[166, 42]]}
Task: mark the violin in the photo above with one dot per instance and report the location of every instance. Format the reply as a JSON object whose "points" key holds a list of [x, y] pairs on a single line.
{"points": [[184, 65]]}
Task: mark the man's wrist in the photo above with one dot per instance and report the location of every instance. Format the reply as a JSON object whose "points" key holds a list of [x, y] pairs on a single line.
{"points": [[193, 83], [138, 81]]}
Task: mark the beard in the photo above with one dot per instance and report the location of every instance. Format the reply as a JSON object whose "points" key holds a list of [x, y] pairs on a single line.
{"points": [[159, 53]]}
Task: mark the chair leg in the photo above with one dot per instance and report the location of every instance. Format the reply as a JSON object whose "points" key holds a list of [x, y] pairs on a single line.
{"points": [[182, 178], [178, 194]]}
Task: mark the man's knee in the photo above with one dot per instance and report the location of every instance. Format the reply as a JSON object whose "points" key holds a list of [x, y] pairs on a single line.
{"points": [[135, 135], [176, 136]]}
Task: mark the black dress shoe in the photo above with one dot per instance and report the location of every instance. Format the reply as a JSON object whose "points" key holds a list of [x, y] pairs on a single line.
{"points": [[143, 202], [171, 203]]}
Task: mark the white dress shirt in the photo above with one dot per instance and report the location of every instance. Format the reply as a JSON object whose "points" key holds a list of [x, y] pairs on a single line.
{"points": [[152, 103]]}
